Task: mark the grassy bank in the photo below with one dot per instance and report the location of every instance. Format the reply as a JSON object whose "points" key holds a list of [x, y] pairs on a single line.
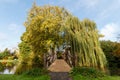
{"points": [[79, 77], [46, 77], [21, 77]]}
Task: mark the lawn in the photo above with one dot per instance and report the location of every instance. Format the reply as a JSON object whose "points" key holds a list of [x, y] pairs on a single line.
{"points": [[46, 77], [21, 77], [79, 77]]}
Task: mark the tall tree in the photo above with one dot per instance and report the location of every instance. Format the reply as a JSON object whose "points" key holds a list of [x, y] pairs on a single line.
{"points": [[25, 58], [5, 54], [84, 41], [112, 52], [118, 37], [43, 29]]}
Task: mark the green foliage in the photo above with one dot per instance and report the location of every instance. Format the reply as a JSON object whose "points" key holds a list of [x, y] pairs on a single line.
{"points": [[116, 52], [25, 63], [6, 59], [21, 77], [25, 58], [108, 48], [50, 27], [5, 54], [84, 41], [24, 48], [87, 71], [1, 67], [80, 77], [111, 50], [35, 72], [42, 31], [43, 27], [46, 77]]}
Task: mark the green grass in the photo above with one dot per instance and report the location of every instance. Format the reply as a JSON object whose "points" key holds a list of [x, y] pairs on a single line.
{"points": [[79, 77], [21, 77], [46, 77]]}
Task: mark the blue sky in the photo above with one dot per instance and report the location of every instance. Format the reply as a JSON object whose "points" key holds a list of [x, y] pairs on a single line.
{"points": [[13, 13]]}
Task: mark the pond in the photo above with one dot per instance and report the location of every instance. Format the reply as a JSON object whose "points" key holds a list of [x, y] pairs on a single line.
{"points": [[7, 71], [7, 66]]}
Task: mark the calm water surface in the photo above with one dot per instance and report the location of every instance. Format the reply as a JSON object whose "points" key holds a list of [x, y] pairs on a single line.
{"points": [[8, 71]]}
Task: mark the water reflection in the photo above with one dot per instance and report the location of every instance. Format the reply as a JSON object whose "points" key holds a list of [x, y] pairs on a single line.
{"points": [[7, 71]]}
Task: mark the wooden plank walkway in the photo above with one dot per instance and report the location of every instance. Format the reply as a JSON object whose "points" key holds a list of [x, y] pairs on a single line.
{"points": [[59, 70]]}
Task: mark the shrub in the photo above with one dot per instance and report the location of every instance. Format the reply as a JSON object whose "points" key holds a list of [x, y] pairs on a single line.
{"points": [[88, 72], [35, 72], [1, 67]]}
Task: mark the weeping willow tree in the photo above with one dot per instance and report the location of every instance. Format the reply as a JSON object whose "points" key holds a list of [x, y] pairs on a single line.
{"points": [[83, 38]]}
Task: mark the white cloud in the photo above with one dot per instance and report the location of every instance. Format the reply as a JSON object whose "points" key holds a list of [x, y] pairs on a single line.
{"points": [[110, 31]]}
